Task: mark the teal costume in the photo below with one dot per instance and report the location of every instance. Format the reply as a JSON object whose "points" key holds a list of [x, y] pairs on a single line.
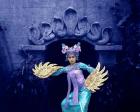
{"points": [[77, 100]]}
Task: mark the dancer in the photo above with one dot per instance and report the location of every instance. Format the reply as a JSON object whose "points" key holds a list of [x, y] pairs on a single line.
{"points": [[78, 99]]}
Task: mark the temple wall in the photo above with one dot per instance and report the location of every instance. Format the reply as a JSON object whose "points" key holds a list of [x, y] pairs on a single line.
{"points": [[18, 15]]}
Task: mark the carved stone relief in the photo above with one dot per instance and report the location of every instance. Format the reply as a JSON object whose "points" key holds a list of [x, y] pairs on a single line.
{"points": [[70, 26]]}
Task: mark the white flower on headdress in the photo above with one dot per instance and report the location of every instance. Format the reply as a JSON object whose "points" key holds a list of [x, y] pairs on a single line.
{"points": [[64, 48], [78, 49], [75, 48]]}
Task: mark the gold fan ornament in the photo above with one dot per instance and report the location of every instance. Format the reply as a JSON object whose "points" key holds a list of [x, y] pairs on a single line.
{"points": [[96, 78], [45, 70]]}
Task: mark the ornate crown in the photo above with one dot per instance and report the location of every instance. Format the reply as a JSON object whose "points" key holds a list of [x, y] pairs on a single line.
{"points": [[75, 48]]}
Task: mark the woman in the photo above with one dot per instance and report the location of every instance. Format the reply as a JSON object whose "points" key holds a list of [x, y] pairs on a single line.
{"points": [[78, 99]]}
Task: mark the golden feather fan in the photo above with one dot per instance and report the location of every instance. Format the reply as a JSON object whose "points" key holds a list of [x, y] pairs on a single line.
{"points": [[96, 78], [45, 70]]}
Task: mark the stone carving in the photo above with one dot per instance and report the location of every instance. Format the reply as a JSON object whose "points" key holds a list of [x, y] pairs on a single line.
{"points": [[46, 31], [69, 26], [35, 36], [59, 28], [40, 34], [95, 31], [71, 20], [106, 35], [83, 27]]}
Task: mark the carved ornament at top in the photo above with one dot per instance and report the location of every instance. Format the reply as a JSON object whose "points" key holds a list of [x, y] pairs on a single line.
{"points": [[70, 26]]}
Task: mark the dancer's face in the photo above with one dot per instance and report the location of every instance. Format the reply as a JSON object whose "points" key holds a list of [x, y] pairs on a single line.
{"points": [[72, 58]]}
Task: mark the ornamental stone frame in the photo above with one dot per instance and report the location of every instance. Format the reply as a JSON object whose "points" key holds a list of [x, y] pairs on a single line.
{"points": [[72, 27]]}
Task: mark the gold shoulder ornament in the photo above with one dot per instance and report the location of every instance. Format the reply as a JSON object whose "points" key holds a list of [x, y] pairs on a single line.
{"points": [[45, 70], [96, 78]]}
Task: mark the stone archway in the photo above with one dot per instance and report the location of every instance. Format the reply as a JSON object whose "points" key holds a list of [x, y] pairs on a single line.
{"points": [[106, 54], [72, 27], [46, 37]]}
